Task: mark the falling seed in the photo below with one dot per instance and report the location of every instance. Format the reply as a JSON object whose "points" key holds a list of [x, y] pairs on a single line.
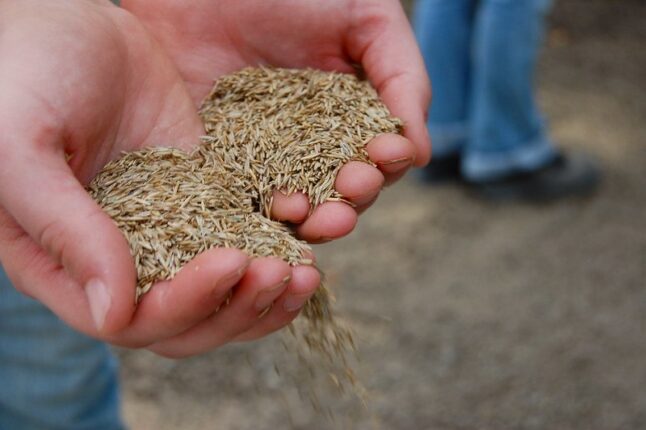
{"points": [[266, 129]]}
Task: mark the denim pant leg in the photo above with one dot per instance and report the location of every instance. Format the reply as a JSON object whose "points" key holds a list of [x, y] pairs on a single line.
{"points": [[508, 132], [52, 377], [443, 29]]}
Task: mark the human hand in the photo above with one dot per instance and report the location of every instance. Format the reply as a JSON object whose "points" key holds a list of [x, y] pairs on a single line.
{"points": [[80, 82], [208, 38]]}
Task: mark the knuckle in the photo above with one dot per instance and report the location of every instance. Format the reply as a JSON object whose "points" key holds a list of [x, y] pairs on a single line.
{"points": [[53, 238]]}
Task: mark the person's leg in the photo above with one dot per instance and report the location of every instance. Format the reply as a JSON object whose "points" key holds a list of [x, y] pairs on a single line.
{"points": [[52, 377], [443, 31], [508, 132]]}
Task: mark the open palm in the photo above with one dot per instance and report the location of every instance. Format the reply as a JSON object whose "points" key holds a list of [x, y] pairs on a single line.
{"points": [[208, 38], [80, 82]]}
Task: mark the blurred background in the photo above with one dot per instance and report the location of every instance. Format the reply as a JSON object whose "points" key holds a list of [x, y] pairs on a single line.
{"points": [[470, 315]]}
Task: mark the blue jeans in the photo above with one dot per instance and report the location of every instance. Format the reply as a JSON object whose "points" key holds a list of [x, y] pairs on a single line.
{"points": [[52, 377], [481, 57]]}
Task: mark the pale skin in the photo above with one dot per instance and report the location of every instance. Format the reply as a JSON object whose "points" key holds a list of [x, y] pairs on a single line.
{"points": [[86, 79], [208, 38], [80, 82]]}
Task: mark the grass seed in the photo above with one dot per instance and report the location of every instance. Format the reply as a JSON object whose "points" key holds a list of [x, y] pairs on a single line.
{"points": [[266, 129]]}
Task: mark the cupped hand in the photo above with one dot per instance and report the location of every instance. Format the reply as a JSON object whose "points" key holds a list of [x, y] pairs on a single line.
{"points": [[208, 38], [80, 82]]}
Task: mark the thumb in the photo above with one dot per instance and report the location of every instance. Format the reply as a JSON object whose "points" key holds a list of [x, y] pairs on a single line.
{"points": [[384, 44], [39, 190]]}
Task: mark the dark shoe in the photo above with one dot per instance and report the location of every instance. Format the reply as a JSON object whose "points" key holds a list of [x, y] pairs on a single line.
{"points": [[442, 170], [569, 174]]}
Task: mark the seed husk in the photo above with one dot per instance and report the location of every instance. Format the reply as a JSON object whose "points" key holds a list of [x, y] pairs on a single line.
{"points": [[266, 129]]}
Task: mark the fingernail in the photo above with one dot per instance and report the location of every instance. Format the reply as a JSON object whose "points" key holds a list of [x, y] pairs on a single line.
{"points": [[100, 301], [295, 302], [267, 296], [396, 164], [230, 279], [324, 239], [365, 198]]}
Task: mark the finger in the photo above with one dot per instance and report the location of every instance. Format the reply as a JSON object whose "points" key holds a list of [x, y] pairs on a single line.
{"points": [[264, 281], [291, 208], [361, 209], [305, 281], [383, 43], [359, 182], [40, 192], [393, 155], [172, 307], [329, 221], [35, 273]]}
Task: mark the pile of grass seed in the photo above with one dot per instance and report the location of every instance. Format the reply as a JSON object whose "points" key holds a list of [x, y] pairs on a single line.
{"points": [[267, 129]]}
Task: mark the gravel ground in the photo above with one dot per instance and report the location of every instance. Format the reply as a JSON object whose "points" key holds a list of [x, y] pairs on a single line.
{"points": [[471, 315]]}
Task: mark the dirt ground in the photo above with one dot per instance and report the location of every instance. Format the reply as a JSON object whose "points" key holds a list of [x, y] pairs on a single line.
{"points": [[470, 315]]}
